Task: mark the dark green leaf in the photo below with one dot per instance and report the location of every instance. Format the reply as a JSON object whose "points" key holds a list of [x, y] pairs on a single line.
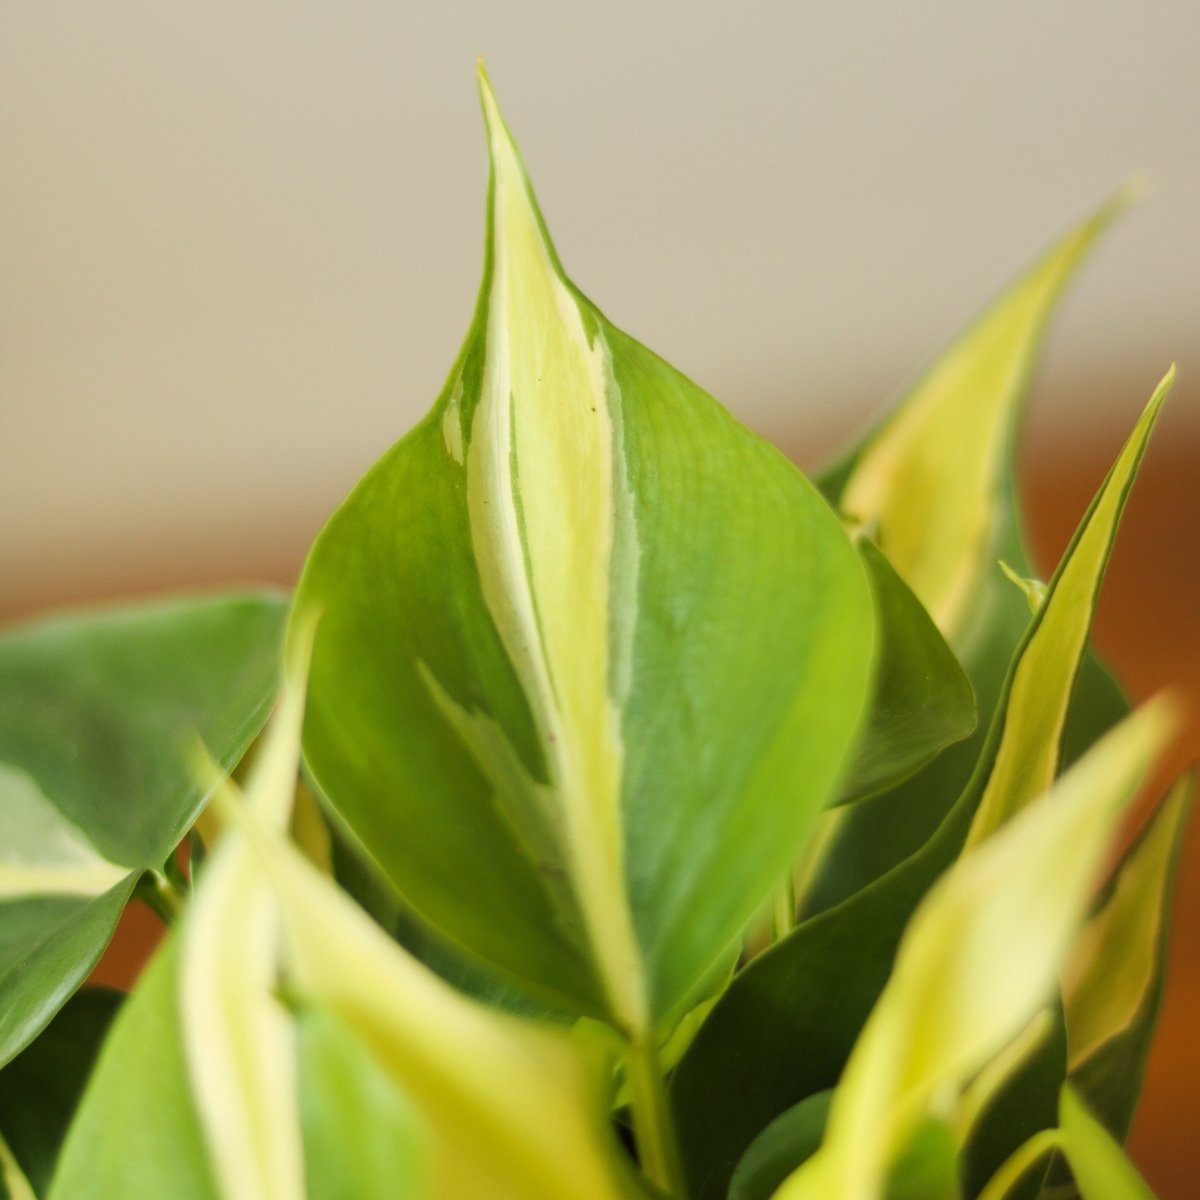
{"points": [[786, 1142], [1025, 1104], [921, 701], [41, 1087], [1101, 1168], [1114, 984], [924, 1171]]}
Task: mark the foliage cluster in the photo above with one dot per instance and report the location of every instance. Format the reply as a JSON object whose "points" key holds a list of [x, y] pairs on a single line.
{"points": [[668, 825]]}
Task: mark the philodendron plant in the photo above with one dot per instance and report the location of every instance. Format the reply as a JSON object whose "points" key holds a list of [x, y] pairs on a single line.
{"points": [[636, 817]]}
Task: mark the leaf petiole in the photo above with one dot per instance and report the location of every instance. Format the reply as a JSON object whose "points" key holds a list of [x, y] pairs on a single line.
{"points": [[160, 894], [653, 1124]]}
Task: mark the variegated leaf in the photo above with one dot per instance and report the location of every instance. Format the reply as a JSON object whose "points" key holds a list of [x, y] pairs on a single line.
{"points": [[754, 1056], [979, 957], [932, 476], [239, 1042], [1113, 981], [96, 714], [513, 1109], [936, 479], [592, 654]]}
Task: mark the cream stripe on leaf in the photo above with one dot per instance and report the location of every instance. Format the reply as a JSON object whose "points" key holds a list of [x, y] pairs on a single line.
{"points": [[238, 1040], [205, 1058], [1042, 683], [96, 716], [931, 476], [592, 654], [979, 958], [512, 1109]]}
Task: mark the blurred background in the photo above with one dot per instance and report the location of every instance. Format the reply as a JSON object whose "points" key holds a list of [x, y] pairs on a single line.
{"points": [[239, 245]]}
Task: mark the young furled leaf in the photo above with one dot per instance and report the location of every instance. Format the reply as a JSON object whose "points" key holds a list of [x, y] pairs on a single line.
{"points": [[535, 698], [1113, 981], [755, 1055], [932, 477], [96, 716], [238, 1039], [979, 957]]}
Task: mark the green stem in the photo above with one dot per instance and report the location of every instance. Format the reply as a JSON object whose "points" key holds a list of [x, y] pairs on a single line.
{"points": [[653, 1125], [160, 894]]}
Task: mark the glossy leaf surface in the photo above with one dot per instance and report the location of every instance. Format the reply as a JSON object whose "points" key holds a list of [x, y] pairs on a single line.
{"points": [[756, 1055], [41, 1087], [535, 696], [96, 716], [924, 1171]]}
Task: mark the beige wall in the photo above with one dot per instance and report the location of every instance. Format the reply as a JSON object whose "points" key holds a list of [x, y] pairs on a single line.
{"points": [[239, 242]]}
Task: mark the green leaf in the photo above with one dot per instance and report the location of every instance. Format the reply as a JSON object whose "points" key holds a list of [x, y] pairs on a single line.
{"points": [[239, 1041], [924, 1171], [592, 654], [362, 1136], [1113, 983], [758, 1052], [786, 1142], [931, 475], [96, 714], [136, 1103], [936, 480], [921, 701], [1039, 690], [978, 958], [41, 1087], [1101, 1168], [1020, 1100]]}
